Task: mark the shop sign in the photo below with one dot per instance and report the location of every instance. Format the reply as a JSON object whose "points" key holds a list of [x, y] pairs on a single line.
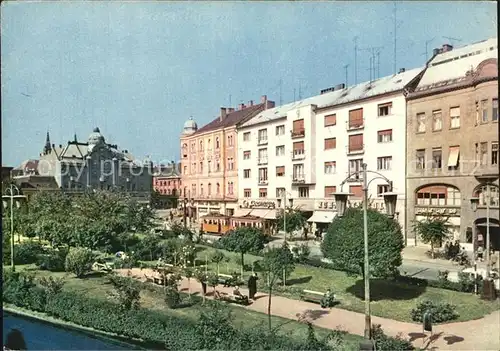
{"points": [[437, 211], [326, 205], [259, 204]]}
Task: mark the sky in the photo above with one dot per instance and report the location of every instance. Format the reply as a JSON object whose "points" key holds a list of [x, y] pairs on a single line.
{"points": [[139, 70]]}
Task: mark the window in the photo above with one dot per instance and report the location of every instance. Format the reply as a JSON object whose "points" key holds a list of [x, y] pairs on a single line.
{"points": [[217, 143], [262, 174], [384, 163], [355, 165], [381, 189], [298, 172], [193, 189], [209, 145], [201, 145], [303, 191], [483, 160], [280, 192], [330, 167], [384, 136], [209, 164], [201, 189], [453, 157], [385, 109], [484, 111], [185, 169], [230, 164], [330, 120], [329, 190], [494, 153], [280, 150], [262, 156], [355, 118], [209, 189], [231, 188], [217, 166], [280, 171], [298, 128], [437, 120], [330, 143], [193, 147], [494, 110], [482, 194], [455, 117], [356, 190], [438, 195], [246, 173], [247, 192], [356, 142], [298, 148], [246, 136], [262, 135], [229, 140], [246, 155], [420, 122], [218, 189], [201, 167], [420, 158], [437, 158], [280, 130], [262, 193]]}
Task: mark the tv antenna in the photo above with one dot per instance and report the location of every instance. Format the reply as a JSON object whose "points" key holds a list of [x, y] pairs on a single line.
{"points": [[355, 60], [452, 39], [346, 72], [396, 26], [427, 42], [281, 100], [229, 100]]}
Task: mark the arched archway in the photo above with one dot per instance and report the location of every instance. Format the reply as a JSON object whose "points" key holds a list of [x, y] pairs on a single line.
{"points": [[481, 225], [438, 194], [494, 195]]}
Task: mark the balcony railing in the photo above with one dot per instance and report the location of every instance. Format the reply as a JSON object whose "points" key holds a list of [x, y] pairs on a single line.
{"points": [[355, 149], [354, 177], [298, 178], [262, 140], [263, 181], [355, 125], [262, 161], [298, 154], [299, 133]]}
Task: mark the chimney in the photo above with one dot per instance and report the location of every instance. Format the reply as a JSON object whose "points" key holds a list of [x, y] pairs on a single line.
{"points": [[402, 70], [241, 106], [230, 109], [446, 48], [223, 113], [339, 86], [60, 146], [436, 51], [269, 104], [250, 103], [263, 99]]}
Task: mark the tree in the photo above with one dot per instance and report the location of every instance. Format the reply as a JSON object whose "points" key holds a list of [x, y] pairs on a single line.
{"points": [[189, 273], [276, 263], [213, 281], [217, 257], [79, 261], [343, 244], [432, 230], [244, 240], [295, 220], [201, 277]]}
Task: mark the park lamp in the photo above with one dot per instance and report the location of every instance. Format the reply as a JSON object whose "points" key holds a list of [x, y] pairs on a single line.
{"points": [[341, 202], [474, 202], [291, 202], [390, 200]]}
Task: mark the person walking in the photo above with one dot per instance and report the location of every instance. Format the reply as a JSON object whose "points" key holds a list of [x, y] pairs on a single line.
{"points": [[252, 286]]}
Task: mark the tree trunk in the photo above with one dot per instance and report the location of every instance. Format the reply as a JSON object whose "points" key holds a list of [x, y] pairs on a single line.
{"points": [[242, 264], [269, 309], [432, 249], [217, 269]]}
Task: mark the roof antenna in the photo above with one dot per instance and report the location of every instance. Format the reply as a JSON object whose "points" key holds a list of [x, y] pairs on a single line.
{"points": [[427, 42], [355, 60], [281, 100], [229, 101], [346, 71], [294, 94]]}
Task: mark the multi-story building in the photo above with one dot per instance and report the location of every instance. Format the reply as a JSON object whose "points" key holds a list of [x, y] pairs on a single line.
{"points": [[167, 179], [452, 140], [306, 149], [209, 160], [94, 164]]}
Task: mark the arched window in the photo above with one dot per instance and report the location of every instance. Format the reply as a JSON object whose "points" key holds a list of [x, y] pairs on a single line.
{"points": [[438, 195], [209, 189], [218, 188], [201, 189], [482, 193], [201, 145], [209, 144], [217, 143]]}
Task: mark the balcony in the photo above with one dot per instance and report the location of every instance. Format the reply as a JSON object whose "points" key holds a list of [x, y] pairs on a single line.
{"points": [[299, 133], [262, 140], [298, 179], [353, 177], [298, 155], [262, 161], [355, 149], [263, 181], [355, 125]]}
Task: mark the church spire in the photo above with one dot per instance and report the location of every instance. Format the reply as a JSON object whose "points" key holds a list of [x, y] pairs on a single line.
{"points": [[48, 148]]}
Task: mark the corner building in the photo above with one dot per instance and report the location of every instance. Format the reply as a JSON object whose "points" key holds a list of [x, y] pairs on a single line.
{"points": [[452, 141]]}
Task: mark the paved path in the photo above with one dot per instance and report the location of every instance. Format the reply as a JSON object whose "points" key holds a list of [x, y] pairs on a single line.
{"points": [[481, 334]]}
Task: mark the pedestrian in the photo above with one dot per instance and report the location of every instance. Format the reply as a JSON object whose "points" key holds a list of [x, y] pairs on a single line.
{"points": [[252, 285]]}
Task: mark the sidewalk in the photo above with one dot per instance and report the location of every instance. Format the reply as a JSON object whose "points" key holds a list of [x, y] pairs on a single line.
{"points": [[479, 334]]}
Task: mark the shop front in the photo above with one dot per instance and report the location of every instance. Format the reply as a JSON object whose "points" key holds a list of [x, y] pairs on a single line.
{"points": [[323, 214], [451, 213], [257, 213]]}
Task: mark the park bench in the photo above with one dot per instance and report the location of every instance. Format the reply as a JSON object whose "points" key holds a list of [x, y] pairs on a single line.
{"points": [[224, 278], [149, 279], [238, 299], [101, 267], [318, 297]]}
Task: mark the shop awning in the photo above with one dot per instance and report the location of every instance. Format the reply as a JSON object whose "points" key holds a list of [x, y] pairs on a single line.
{"points": [[271, 214], [453, 157], [322, 217], [241, 212], [259, 212]]}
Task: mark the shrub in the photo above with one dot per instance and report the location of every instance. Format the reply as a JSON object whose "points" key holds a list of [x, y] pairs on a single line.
{"points": [[301, 253], [79, 261], [127, 291], [440, 312], [27, 252], [52, 285], [387, 343], [54, 260]]}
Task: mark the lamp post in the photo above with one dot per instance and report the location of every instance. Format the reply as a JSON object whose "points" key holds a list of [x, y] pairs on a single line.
{"points": [[390, 199], [185, 201], [474, 202], [283, 194], [12, 193]]}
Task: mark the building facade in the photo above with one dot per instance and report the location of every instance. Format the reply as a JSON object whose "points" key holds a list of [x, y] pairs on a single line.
{"points": [[452, 141], [95, 164], [209, 160], [306, 149], [167, 179]]}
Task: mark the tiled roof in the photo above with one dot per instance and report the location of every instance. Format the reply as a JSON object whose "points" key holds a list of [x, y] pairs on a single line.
{"points": [[28, 165], [452, 66], [231, 119], [167, 171], [384, 85]]}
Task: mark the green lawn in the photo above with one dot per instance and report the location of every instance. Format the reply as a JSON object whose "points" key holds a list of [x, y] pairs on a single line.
{"points": [[389, 299], [98, 287]]}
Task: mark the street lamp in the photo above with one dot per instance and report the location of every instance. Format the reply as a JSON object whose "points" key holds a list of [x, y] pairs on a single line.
{"points": [[185, 201], [390, 199], [283, 194], [12, 193], [474, 202]]}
